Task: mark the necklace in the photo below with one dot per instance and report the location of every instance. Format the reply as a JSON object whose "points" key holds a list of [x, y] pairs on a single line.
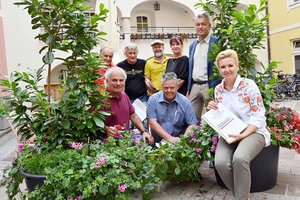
{"points": [[174, 60]]}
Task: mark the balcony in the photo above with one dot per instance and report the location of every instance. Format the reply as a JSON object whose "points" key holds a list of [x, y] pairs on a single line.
{"points": [[159, 32]]}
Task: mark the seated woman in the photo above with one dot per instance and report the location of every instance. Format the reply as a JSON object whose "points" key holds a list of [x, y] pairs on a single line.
{"points": [[243, 98]]}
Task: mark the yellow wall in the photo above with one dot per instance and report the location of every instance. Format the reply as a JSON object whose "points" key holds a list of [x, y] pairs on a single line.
{"points": [[282, 35], [281, 16]]}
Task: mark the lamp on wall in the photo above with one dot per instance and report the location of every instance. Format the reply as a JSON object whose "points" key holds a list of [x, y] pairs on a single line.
{"points": [[156, 6]]}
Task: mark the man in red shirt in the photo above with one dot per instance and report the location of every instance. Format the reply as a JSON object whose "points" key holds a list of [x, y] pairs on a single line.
{"points": [[120, 105]]}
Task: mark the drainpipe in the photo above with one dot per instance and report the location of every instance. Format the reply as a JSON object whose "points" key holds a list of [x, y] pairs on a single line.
{"points": [[268, 32]]}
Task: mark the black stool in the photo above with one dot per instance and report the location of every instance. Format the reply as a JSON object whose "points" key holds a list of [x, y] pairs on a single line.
{"points": [[264, 169]]}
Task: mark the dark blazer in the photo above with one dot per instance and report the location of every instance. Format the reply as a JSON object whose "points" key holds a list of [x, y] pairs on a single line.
{"points": [[210, 65]]}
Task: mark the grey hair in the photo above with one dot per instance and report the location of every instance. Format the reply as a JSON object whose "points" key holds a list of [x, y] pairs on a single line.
{"points": [[112, 70], [203, 15], [106, 47], [130, 45], [170, 76]]}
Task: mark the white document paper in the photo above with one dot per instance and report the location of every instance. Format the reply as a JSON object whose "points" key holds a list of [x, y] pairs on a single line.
{"points": [[224, 122], [140, 109]]}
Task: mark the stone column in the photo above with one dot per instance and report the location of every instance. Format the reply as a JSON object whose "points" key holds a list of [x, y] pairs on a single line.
{"points": [[125, 21]]}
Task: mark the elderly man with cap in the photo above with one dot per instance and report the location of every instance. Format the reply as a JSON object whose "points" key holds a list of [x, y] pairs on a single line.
{"points": [[156, 67]]}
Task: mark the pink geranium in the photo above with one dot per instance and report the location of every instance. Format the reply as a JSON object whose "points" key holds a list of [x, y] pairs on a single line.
{"points": [[122, 188], [100, 162], [77, 145], [20, 147]]}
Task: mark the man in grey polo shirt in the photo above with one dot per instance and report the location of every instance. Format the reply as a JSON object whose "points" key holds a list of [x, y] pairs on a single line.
{"points": [[169, 113]]}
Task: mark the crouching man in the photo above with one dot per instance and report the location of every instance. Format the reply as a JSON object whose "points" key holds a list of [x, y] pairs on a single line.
{"points": [[170, 113]]}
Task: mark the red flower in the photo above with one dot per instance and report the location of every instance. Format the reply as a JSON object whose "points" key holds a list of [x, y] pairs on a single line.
{"points": [[100, 81], [102, 70], [254, 108], [246, 99], [119, 127], [259, 99], [278, 136], [241, 83]]}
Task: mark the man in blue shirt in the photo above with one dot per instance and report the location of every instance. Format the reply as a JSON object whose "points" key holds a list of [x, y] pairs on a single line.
{"points": [[169, 113]]}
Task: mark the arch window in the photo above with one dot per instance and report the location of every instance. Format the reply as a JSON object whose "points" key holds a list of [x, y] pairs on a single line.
{"points": [[142, 23]]}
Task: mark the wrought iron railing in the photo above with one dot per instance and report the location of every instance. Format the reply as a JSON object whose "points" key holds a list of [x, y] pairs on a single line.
{"points": [[159, 32]]}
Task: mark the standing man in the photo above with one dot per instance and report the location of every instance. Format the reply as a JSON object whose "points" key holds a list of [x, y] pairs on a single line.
{"points": [[107, 54], [135, 86], [170, 113], [120, 106], [200, 66], [156, 67]]}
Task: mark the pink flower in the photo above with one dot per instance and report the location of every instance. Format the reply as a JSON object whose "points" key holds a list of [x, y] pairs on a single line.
{"points": [[20, 147], [77, 198], [215, 140], [213, 148], [77, 145], [193, 134], [197, 150], [122, 188], [117, 135], [278, 136], [105, 140], [101, 161]]}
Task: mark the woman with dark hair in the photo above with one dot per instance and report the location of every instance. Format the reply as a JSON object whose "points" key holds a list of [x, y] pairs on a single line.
{"points": [[179, 64]]}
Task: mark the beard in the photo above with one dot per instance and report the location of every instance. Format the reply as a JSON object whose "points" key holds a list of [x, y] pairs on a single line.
{"points": [[158, 54]]}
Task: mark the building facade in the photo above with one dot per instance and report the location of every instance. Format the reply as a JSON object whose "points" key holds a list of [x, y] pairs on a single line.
{"points": [[284, 30], [139, 21]]}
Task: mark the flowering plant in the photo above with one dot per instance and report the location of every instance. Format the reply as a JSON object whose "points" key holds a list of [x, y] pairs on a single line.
{"points": [[284, 125], [110, 168]]}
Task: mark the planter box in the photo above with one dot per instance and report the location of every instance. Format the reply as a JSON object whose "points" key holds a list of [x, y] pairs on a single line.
{"points": [[264, 169], [33, 180], [4, 124]]}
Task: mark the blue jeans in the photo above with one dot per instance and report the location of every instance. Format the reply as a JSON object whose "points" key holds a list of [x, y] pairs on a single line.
{"points": [[143, 99]]}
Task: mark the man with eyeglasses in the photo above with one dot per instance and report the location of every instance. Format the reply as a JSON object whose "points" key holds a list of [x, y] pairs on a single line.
{"points": [[170, 113]]}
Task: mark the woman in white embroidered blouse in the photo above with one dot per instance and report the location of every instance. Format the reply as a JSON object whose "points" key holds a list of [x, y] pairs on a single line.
{"points": [[243, 98]]}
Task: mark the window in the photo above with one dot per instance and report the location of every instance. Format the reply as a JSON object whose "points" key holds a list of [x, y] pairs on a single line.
{"points": [[296, 55], [293, 3], [142, 24]]}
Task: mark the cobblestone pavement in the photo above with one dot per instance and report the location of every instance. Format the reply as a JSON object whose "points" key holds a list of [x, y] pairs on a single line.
{"points": [[287, 187]]}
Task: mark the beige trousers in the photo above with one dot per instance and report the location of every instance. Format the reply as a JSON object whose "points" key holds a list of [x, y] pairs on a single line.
{"points": [[199, 97], [232, 162]]}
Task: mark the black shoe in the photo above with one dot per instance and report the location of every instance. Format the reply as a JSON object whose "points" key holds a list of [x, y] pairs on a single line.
{"points": [[212, 164]]}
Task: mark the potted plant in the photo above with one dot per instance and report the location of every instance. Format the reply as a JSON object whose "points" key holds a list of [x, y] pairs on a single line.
{"points": [[73, 118], [284, 125], [110, 168]]}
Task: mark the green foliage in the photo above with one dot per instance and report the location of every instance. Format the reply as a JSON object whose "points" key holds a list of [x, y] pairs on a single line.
{"points": [[76, 117], [4, 106], [243, 30], [97, 170], [66, 27]]}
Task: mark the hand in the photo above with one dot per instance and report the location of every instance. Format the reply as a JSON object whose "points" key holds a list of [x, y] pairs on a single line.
{"points": [[235, 138], [148, 137], [110, 130], [212, 105], [173, 139]]}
